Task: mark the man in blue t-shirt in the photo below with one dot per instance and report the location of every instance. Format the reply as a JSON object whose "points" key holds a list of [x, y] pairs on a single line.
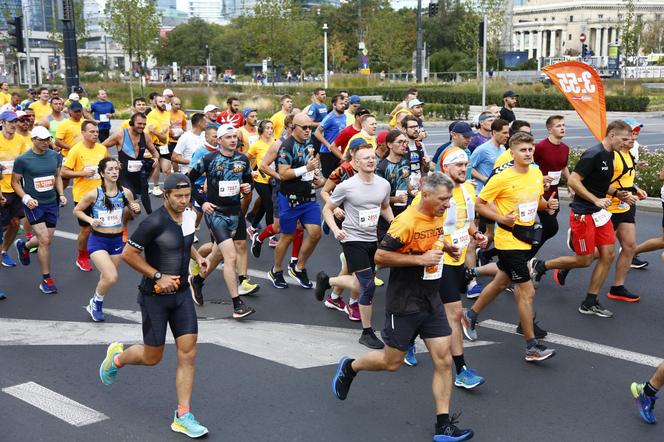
{"points": [[327, 132], [317, 110], [484, 157], [103, 110]]}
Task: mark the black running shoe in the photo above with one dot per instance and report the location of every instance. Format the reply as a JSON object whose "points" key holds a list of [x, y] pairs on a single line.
{"points": [[560, 275], [638, 263], [342, 378], [539, 332], [620, 293], [322, 284], [300, 276], [196, 289], [277, 279], [450, 432], [537, 270], [256, 245], [242, 311], [371, 340]]}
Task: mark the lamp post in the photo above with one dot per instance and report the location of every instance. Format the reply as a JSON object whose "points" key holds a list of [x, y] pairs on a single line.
{"points": [[325, 28]]}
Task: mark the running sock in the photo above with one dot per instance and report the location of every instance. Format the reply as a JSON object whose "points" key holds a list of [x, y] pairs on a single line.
{"points": [[442, 419], [590, 300], [45, 276], [472, 315], [116, 361], [540, 267], [241, 278], [348, 368], [198, 279], [98, 297], [237, 302], [459, 363], [266, 233], [473, 272], [367, 331], [649, 390], [182, 410], [297, 242], [334, 294], [530, 343], [352, 301]]}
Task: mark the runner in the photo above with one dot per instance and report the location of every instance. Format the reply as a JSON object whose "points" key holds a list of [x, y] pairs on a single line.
{"points": [[248, 133], [57, 115], [82, 164], [232, 113], [589, 220], [210, 111], [484, 133], [333, 123], [36, 180], [419, 161], [517, 192], [298, 167], [646, 394], [278, 118], [368, 132], [189, 142], [365, 197], [102, 208], [11, 146], [228, 174], [68, 132], [345, 135], [264, 184], [353, 104], [509, 103], [103, 111], [167, 237], [158, 126], [178, 126], [41, 107], [413, 305]]}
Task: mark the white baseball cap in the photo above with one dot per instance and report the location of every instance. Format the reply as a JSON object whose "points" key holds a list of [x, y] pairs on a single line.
{"points": [[40, 132], [209, 108], [225, 129], [74, 96], [168, 93]]}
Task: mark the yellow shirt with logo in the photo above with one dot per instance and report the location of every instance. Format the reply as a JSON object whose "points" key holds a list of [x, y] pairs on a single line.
{"points": [[623, 178], [69, 131], [9, 151], [42, 111], [462, 221], [160, 121], [258, 151], [4, 98], [369, 139], [80, 158], [278, 123], [518, 192]]}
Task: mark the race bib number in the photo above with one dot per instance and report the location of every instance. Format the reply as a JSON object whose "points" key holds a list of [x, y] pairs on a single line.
{"points": [[556, 177], [399, 193], [44, 184], [134, 165], [527, 211], [163, 149], [415, 180], [433, 272], [8, 167], [369, 217], [103, 118], [229, 188], [602, 217], [309, 176], [460, 238], [252, 139], [95, 169], [110, 218]]}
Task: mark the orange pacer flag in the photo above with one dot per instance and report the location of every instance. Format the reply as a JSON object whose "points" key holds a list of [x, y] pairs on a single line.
{"points": [[584, 89]]}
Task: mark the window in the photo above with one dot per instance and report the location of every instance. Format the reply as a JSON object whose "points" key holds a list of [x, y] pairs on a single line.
{"points": [[571, 18], [569, 36], [600, 16]]}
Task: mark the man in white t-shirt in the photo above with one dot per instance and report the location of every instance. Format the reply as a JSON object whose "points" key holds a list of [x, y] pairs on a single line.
{"points": [[189, 142]]}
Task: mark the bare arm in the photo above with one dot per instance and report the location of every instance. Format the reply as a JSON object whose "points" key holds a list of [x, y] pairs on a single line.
{"points": [[386, 213], [269, 158]]}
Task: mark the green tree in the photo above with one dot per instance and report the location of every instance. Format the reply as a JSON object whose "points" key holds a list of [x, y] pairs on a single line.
{"points": [[630, 32], [652, 39], [134, 25]]}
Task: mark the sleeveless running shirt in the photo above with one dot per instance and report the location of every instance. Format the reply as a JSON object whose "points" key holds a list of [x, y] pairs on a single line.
{"points": [[110, 217]]}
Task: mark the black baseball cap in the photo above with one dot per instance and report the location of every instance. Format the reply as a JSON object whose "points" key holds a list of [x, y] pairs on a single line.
{"points": [[362, 111], [176, 181], [510, 94]]}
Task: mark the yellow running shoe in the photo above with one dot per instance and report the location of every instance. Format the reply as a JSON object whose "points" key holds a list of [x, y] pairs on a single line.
{"points": [[379, 282], [107, 370], [247, 287], [194, 268]]}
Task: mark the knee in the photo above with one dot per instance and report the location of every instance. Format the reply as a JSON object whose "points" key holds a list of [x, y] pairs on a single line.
{"points": [[367, 286], [14, 223], [455, 315], [187, 356], [45, 241], [153, 357], [608, 255], [629, 247], [110, 277], [393, 365], [230, 258], [586, 260], [314, 234]]}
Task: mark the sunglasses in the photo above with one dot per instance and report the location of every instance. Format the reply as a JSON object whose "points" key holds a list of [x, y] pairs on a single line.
{"points": [[304, 127]]}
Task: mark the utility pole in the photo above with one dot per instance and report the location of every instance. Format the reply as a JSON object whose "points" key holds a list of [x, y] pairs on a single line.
{"points": [[418, 50], [484, 32], [27, 26], [66, 14]]}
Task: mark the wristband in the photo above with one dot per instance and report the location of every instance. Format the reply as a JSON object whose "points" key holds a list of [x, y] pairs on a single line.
{"points": [[26, 199], [300, 171]]}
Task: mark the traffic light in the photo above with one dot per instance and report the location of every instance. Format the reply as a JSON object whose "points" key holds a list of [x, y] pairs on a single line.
{"points": [[481, 34], [584, 50], [433, 9], [16, 34]]}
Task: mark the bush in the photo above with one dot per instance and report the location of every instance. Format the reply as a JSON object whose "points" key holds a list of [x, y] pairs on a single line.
{"points": [[447, 112]]}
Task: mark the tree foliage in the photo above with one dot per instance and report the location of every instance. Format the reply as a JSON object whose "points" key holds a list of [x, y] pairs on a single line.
{"points": [[631, 31], [652, 38]]}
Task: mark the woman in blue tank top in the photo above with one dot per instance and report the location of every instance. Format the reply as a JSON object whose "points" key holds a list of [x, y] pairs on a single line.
{"points": [[106, 209]]}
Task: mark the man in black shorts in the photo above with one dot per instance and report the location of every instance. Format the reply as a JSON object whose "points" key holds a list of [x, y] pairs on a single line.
{"points": [[414, 252], [167, 237]]}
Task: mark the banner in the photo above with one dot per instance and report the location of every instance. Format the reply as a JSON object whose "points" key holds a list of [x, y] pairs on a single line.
{"points": [[584, 89]]}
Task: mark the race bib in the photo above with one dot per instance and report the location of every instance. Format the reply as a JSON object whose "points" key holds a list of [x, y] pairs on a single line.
{"points": [[369, 217], [110, 218], [252, 139], [309, 176], [134, 165], [44, 184], [623, 205], [527, 211], [229, 188], [163, 149], [95, 169], [433, 272], [103, 118], [415, 180], [460, 238], [602, 217], [399, 193], [556, 177], [8, 167]]}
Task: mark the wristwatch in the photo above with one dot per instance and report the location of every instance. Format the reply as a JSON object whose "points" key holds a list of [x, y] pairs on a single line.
{"points": [[157, 276]]}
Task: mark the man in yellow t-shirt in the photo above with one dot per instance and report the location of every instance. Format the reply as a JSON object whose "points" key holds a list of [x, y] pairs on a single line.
{"points": [[11, 146], [368, 131], [517, 192], [5, 96], [158, 126], [278, 118], [42, 107], [178, 125], [68, 132], [82, 164]]}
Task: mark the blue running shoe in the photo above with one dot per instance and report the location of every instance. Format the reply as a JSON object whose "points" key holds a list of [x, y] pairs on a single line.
{"points": [[342, 379], [95, 310], [48, 287], [107, 370], [23, 252], [3, 295], [645, 403], [474, 291], [188, 425], [450, 432], [410, 359], [7, 261], [468, 379]]}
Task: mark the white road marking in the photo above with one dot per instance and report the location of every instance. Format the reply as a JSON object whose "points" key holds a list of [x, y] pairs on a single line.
{"points": [[55, 404], [65, 235], [580, 344]]}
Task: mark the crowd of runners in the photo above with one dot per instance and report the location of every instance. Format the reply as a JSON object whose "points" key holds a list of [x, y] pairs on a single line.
{"points": [[481, 205]]}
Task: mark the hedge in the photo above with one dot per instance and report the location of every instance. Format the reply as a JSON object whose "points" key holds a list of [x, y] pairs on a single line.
{"points": [[448, 112]]}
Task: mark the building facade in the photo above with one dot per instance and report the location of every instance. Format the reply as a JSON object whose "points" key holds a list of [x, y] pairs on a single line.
{"points": [[552, 28]]}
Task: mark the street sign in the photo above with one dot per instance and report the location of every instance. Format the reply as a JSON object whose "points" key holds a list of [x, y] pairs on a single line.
{"points": [[582, 37]]}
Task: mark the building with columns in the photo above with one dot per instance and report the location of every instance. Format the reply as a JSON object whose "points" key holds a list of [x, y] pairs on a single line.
{"points": [[552, 28]]}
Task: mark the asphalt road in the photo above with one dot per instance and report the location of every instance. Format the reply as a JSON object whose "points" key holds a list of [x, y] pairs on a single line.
{"points": [[268, 378]]}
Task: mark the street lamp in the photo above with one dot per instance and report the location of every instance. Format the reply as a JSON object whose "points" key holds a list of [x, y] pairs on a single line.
{"points": [[325, 28]]}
